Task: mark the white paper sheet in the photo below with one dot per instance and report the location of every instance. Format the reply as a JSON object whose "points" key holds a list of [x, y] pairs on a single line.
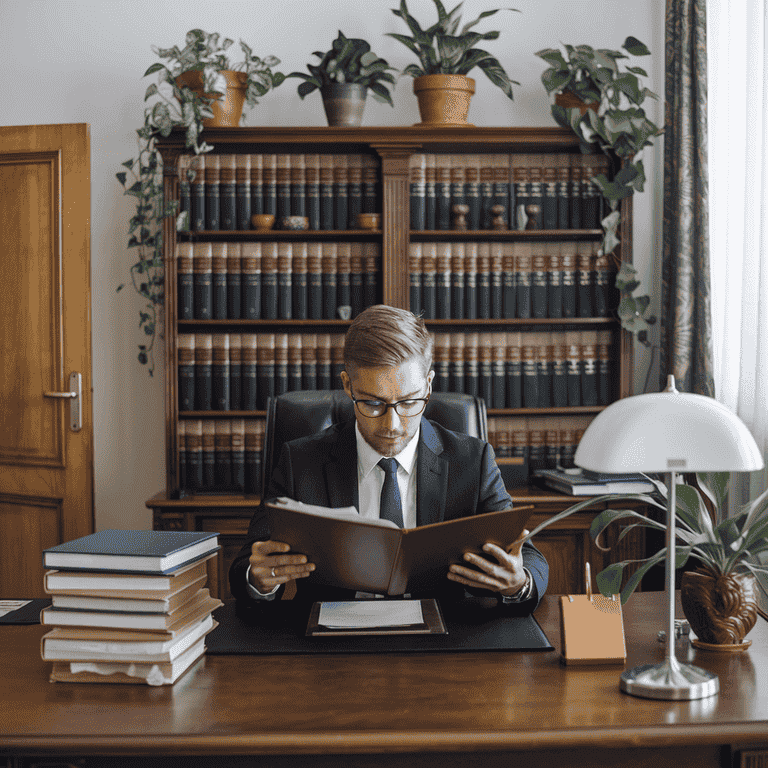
{"points": [[368, 614]]}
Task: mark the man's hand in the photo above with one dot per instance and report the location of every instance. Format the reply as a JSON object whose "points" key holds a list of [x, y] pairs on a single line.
{"points": [[270, 565], [506, 576]]}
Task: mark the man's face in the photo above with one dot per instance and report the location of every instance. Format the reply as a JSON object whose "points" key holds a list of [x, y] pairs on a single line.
{"points": [[390, 433]]}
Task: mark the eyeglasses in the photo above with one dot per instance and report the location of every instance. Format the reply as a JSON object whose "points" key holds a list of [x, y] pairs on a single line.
{"points": [[372, 409]]}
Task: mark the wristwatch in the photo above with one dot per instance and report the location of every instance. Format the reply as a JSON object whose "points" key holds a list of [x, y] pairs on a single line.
{"points": [[523, 593]]}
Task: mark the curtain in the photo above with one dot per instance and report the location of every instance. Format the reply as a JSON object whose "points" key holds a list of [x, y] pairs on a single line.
{"points": [[738, 114], [686, 320]]}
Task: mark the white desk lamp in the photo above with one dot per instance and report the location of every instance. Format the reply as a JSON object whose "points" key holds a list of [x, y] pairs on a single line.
{"points": [[668, 432]]}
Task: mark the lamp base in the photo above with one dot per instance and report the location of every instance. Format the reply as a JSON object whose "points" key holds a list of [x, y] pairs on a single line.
{"points": [[675, 681]]}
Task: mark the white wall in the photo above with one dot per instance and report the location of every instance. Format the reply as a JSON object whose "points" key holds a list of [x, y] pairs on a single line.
{"points": [[73, 61]]}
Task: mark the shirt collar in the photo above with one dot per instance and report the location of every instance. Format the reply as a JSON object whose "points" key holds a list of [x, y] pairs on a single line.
{"points": [[368, 458]]}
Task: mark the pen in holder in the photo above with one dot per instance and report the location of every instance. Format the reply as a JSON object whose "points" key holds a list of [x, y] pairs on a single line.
{"points": [[591, 628]]}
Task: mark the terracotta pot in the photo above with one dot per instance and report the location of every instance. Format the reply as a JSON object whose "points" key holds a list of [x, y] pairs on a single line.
{"points": [[228, 109], [721, 609], [444, 99], [344, 103], [568, 100]]}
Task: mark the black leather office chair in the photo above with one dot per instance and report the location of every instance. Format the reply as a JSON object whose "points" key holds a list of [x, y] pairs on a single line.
{"points": [[297, 414]]}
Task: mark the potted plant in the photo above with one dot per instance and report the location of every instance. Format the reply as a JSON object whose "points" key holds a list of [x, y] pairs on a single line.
{"points": [[601, 100], [177, 105], [719, 595], [446, 55], [343, 75]]}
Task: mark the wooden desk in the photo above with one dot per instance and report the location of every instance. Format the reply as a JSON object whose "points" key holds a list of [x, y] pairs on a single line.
{"points": [[489, 709]]}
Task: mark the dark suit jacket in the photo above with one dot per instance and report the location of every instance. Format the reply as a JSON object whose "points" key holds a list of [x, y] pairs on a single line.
{"points": [[456, 476]]}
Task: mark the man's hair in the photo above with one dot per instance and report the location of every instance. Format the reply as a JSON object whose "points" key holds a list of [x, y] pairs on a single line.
{"points": [[384, 335]]}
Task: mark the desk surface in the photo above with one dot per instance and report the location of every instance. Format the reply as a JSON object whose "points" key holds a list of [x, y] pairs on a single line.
{"points": [[392, 703]]}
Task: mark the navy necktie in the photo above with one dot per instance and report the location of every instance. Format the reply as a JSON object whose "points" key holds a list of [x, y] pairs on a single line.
{"points": [[391, 507]]}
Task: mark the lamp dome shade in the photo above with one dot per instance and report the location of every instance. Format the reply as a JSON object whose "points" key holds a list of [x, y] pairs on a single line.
{"points": [[668, 431]]}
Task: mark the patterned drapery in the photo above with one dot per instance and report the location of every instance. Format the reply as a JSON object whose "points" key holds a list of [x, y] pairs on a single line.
{"points": [[686, 324]]}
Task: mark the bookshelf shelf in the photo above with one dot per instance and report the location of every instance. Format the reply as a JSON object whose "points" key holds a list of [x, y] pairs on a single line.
{"points": [[519, 322], [246, 235], [505, 235]]}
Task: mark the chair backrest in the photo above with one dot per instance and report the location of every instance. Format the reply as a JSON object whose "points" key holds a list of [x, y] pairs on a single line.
{"points": [[298, 414]]}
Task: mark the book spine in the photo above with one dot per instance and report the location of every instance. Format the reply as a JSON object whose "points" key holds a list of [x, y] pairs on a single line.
{"points": [[530, 375], [417, 170], [442, 362], [343, 277], [213, 192], [456, 370], [337, 359], [470, 281], [536, 450], [326, 192], [603, 276], [472, 364], [514, 371], [487, 193], [194, 441], [330, 280], [228, 193], [414, 271], [522, 192], [552, 448], [484, 281], [604, 394], [340, 191], [549, 192], [590, 203], [356, 292], [203, 372], [185, 276], [265, 368], [509, 281], [518, 438], [249, 372], [472, 190], [536, 189], [222, 467], [185, 187], [497, 281], [575, 219], [312, 172], [181, 441], [430, 194], [574, 369], [585, 278], [250, 265], [567, 448], [299, 281], [269, 176], [570, 291], [220, 372], [254, 445], [219, 275], [324, 380], [589, 370], [371, 269], [429, 280], [309, 361], [563, 175], [443, 281], [257, 184], [202, 256], [554, 282], [235, 372], [544, 365], [298, 189], [197, 188], [499, 372], [371, 196], [539, 298], [294, 362], [238, 454], [501, 186], [458, 281], [523, 276], [284, 280], [186, 354], [234, 281], [443, 192], [315, 280], [486, 368], [559, 372], [269, 297], [281, 364], [283, 188], [458, 178], [354, 189], [243, 191]]}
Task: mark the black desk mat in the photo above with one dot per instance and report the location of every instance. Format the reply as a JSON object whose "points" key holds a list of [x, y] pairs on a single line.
{"points": [[278, 628]]}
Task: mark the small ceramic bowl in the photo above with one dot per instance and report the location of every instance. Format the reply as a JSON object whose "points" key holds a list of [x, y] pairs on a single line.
{"points": [[369, 220], [263, 221], [294, 222]]}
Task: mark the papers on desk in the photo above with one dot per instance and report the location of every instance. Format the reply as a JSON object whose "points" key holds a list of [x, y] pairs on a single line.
{"points": [[6, 606], [375, 617]]}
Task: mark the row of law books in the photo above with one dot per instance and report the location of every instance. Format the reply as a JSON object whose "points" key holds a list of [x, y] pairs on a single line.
{"points": [[221, 455], [542, 191], [240, 372], [526, 370], [276, 280], [468, 281], [128, 606], [222, 192]]}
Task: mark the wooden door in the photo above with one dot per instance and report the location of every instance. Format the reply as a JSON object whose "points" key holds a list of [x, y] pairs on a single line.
{"points": [[46, 468]]}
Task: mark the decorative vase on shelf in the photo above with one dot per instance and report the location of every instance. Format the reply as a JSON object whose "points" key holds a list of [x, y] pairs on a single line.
{"points": [[228, 109], [569, 100], [344, 103], [444, 99]]}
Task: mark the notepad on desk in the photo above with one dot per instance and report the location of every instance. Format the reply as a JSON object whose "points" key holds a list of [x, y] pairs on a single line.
{"points": [[375, 617]]}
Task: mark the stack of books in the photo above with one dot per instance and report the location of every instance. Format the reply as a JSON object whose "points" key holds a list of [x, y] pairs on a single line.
{"points": [[128, 606], [583, 482]]}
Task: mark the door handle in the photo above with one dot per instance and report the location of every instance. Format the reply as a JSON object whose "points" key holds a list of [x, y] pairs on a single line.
{"points": [[75, 396]]}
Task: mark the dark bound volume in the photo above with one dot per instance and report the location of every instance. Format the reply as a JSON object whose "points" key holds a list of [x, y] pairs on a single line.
{"points": [[514, 371], [589, 369], [219, 272], [443, 281], [222, 467], [568, 442], [250, 265], [456, 370], [186, 353], [243, 191], [585, 278], [522, 194], [487, 194], [194, 441], [497, 281], [530, 375], [509, 281], [340, 191], [220, 372], [536, 450], [330, 264], [281, 363], [499, 370], [228, 193], [414, 271], [181, 439], [539, 299], [501, 185], [235, 372], [212, 192], [269, 301], [485, 356], [559, 371], [197, 188], [343, 276], [283, 187], [356, 270], [312, 174], [249, 372], [202, 256], [203, 371], [536, 190], [238, 453], [472, 364], [442, 363], [518, 437], [552, 448], [371, 268], [298, 185], [209, 453], [354, 189], [371, 202], [603, 277], [429, 280], [545, 363], [185, 277], [294, 362], [523, 275], [257, 184], [265, 369], [326, 192], [484, 281], [284, 280], [458, 282], [443, 192], [430, 194], [554, 282], [604, 394], [315, 280], [458, 178], [577, 173], [418, 190], [470, 281], [185, 188], [563, 174], [299, 282], [549, 192], [269, 176], [254, 444], [234, 281], [324, 380], [592, 203], [570, 290], [574, 368], [472, 189], [309, 361]]}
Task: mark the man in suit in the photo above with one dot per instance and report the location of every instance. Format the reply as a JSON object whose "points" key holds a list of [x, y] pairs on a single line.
{"points": [[390, 462]]}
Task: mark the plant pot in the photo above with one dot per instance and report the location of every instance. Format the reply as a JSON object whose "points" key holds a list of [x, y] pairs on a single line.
{"points": [[569, 100], [228, 109], [721, 609], [444, 99], [344, 103]]}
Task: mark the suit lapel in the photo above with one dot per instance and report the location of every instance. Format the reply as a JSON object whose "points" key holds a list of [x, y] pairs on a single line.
{"points": [[431, 477], [340, 469]]}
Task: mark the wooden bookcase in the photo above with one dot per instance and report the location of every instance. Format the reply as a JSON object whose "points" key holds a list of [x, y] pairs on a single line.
{"points": [[566, 546]]}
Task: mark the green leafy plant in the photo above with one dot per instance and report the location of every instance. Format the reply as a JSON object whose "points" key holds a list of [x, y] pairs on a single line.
{"points": [[723, 546], [444, 49], [350, 60], [169, 106]]}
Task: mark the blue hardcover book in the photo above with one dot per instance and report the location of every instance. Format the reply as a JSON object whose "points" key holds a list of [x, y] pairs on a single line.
{"points": [[213, 192], [133, 551]]}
